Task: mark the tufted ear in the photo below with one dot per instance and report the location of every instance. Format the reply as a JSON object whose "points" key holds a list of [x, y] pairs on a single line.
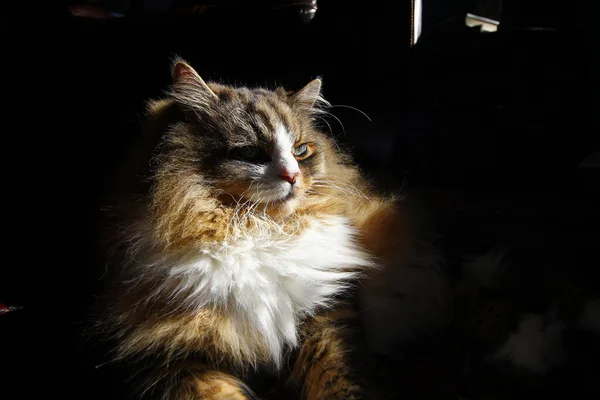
{"points": [[189, 87], [309, 95]]}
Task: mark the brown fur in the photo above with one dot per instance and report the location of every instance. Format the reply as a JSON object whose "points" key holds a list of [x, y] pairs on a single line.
{"points": [[321, 367], [191, 380]]}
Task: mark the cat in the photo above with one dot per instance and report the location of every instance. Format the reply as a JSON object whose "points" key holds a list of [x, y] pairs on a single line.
{"points": [[241, 233]]}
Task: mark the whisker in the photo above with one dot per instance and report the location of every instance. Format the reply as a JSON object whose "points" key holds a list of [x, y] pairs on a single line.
{"points": [[343, 187], [353, 108], [338, 120], [328, 125], [330, 131]]}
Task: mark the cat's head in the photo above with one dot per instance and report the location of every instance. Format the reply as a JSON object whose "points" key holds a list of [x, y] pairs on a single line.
{"points": [[252, 146]]}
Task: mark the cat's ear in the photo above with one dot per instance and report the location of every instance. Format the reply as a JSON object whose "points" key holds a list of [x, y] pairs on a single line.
{"points": [[309, 97], [189, 87]]}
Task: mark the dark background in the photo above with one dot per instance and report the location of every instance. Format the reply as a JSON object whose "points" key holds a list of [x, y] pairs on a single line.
{"points": [[490, 127]]}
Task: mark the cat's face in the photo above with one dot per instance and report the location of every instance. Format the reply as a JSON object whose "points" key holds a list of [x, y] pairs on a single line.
{"points": [[257, 147], [273, 164]]}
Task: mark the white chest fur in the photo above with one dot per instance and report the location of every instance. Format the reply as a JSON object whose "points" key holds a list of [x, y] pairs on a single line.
{"points": [[267, 282]]}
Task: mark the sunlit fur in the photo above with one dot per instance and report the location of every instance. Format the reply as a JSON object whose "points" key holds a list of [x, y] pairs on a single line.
{"points": [[221, 262]]}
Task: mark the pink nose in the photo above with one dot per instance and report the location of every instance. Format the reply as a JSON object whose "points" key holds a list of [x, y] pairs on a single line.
{"points": [[288, 175]]}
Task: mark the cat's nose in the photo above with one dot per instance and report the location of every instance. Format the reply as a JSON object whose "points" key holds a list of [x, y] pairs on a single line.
{"points": [[289, 176]]}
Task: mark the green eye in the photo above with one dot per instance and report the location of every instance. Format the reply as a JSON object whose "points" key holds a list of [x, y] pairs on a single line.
{"points": [[301, 150], [248, 152]]}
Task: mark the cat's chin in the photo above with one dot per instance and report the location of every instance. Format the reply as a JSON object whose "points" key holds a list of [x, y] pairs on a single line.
{"points": [[285, 207], [277, 195], [278, 201]]}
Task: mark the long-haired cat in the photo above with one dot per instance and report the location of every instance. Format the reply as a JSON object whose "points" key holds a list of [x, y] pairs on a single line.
{"points": [[241, 232]]}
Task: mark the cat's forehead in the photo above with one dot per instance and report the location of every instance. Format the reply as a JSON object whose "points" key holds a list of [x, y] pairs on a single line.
{"points": [[258, 112]]}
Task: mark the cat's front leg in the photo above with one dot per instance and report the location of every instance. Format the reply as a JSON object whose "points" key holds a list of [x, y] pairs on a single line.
{"points": [[323, 366], [194, 382]]}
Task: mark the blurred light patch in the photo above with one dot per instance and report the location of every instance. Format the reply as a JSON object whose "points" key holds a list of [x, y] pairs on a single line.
{"points": [[416, 23]]}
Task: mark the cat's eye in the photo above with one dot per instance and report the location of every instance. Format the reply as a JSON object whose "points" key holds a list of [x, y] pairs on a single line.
{"points": [[252, 154], [248, 152], [302, 151]]}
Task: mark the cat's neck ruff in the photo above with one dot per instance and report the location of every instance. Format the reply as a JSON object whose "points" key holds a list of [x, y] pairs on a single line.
{"points": [[267, 281]]}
